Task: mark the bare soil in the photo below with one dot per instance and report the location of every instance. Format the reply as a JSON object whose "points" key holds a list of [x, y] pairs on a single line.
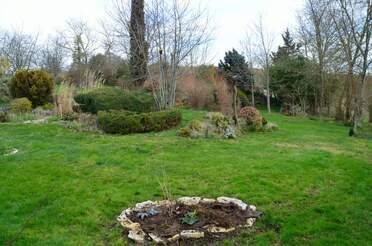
{"points": [[168, 222]]}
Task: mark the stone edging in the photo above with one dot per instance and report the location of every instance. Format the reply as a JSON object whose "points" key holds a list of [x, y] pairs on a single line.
{"points": [[139, 236]]}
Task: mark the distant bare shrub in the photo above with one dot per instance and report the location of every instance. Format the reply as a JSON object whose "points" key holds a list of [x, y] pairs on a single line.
{"points": [[195, 93], [224, 97]]}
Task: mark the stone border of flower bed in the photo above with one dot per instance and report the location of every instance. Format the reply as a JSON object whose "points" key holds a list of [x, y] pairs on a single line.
{"points": [[139, 236]]}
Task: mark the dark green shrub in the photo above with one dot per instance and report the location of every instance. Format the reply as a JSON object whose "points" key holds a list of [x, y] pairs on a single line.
{"points": [[4, 116], [48, 106], [185, 132], [113, 98], [4, 90], [124, 122], [36, 85], [69, 116], [21, 105], [243, 98]]}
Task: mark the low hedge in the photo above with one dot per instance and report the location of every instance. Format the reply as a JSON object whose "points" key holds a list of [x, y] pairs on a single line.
{"points": [[125, 122], [113, 98]]}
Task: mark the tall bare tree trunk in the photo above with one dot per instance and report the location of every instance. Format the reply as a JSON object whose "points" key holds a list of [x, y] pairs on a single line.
{"points": [[235, 93], [138, 45], [252, 94], [268, 91], [370, 110]]}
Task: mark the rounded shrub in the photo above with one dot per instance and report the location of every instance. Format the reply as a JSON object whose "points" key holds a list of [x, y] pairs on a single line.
{"points": [[252, 116], [4, 117], [36, 85], [114, 98], [21, 105], [126, 122]]}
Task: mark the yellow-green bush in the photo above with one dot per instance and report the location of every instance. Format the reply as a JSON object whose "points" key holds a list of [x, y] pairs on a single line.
{"points": [[21, 105], [36, 85]]}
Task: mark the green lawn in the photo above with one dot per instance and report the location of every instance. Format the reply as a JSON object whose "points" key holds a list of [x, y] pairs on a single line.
{"points": [[312, 181]]}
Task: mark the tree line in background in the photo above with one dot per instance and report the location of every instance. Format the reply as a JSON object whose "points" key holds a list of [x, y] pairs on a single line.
{"points": [[322, 67], [324, 64]]}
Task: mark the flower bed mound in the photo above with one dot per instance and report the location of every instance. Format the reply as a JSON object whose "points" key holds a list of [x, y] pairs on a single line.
{"points": [[187, 219]]}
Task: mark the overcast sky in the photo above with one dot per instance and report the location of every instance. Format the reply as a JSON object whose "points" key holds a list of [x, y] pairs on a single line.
{"points": [[231, 18]]}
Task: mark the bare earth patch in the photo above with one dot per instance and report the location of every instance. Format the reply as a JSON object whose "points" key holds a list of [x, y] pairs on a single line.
{"points": [[187, 219]]}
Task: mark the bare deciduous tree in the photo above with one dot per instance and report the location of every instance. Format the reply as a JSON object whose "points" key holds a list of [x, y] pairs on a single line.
{"points": [[264, 46], [248, 50], [80, 40], [20, 49], [355, 17], [318, 37], [177, 29], [52, 56]]}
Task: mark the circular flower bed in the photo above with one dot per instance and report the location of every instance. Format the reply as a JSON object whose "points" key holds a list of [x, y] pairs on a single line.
{"points": [[187, 218]]}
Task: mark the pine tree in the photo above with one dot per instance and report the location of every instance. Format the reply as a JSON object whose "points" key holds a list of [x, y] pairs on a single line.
{"points": [[237, 73], [138, 45], [288, 49]]}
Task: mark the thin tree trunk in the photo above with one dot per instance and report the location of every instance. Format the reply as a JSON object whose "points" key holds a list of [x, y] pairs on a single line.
{"points": [[370, 111], [236, 121], [268, 91], [252, 95]]}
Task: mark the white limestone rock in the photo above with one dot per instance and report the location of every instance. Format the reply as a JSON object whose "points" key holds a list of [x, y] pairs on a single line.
{"points": [[215, 229], [237, 202], [189, 201], [192, 234], [174, 238], [208, 201], [156, 239], [137, 235], [250, 222]]}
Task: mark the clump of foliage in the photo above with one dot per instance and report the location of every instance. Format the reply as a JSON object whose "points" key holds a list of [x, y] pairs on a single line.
{"points": [[4, 117], [48, 106], [126, 122], [81, 122], [219, 120], [216, 125], [21, 105], [113, 98], [36, 85], [4, 90], [190, 218], [251, 116], [185, 132], [69, 116]]}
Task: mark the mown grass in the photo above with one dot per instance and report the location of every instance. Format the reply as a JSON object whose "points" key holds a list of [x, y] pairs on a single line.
{"points": [[310, 179]]}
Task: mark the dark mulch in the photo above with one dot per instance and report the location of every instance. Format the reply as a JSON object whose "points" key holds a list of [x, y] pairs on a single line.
{"points": [[168, 222]]}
